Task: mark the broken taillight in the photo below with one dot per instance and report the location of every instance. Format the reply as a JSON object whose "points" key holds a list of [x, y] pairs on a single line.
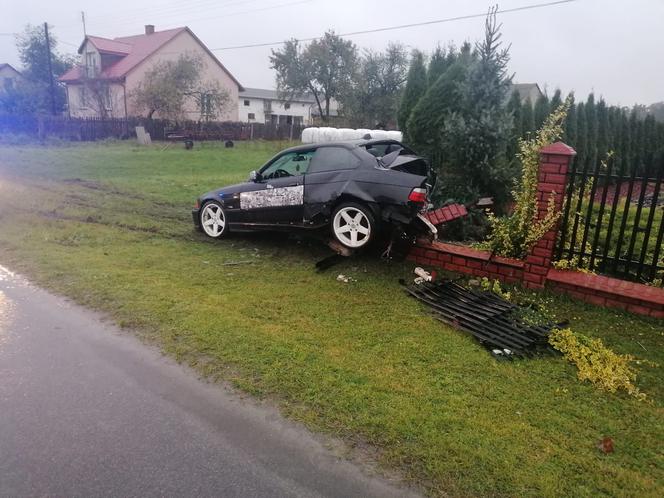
{"points": [[418, 195]]}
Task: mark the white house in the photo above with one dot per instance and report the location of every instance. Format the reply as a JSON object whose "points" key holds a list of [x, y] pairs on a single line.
{"points": [[111, 70], [257, 105]]}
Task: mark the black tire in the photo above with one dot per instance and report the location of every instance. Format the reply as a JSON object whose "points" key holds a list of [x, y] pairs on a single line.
{"points": [[218, 228], [357, 228]]}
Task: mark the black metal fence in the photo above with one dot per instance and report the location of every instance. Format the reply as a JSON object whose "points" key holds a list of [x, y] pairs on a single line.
{"points": [[613, 218], [91, 129]]}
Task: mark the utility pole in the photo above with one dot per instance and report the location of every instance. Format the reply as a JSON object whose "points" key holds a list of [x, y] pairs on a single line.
{"points": [[50, 69]]}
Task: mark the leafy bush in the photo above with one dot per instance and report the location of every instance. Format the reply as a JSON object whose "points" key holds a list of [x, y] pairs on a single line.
{"points": [[514, 235], [596, 363]]}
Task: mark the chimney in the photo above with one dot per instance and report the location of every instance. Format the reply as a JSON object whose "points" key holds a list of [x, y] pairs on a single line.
{"points": [[149, 29]]}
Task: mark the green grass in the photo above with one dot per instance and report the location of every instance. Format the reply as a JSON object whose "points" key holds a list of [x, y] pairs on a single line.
{"points": [[109, 225]]}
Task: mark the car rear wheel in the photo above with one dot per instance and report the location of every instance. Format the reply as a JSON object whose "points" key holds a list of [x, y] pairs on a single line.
{"points": [[213, 220], [353, 225]]}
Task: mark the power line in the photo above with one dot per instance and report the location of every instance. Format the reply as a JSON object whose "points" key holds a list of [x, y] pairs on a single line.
{"points": [[165, 11], [251, 11], [404, 26]]}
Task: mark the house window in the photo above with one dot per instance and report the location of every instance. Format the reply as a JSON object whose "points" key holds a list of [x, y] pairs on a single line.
{"points": [[287, 105], [251, 115], [246, 103], [9, 83], [207, 106]]}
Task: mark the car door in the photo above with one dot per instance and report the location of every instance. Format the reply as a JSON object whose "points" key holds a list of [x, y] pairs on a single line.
{"points": [[279, 197], [331, 169]]}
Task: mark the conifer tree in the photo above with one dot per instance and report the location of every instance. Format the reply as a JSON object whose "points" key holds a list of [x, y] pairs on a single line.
{"points": [[438, 63], [602, 129], [514, 108], [581, 133], [527, 117], [569, 127], [541, 110], [416, 87], [556, 100], [591, 133], [427, 117]]}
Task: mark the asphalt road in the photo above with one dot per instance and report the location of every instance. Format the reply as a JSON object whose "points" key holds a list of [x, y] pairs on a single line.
{"points": [[87, 410]]}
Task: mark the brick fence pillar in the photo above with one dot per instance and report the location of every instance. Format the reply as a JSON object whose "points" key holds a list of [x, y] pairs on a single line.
{"points": [[555, 160]]}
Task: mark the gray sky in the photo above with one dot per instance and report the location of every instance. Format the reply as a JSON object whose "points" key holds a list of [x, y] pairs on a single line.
{"points": [[614, 47]]}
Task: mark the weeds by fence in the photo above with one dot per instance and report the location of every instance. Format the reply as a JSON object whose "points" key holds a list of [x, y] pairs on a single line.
{"points": [[613, 219], [91, 129]]}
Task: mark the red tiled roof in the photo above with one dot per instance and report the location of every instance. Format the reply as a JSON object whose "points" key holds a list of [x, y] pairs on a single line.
{"points": [[107, 46], [137, 48]]}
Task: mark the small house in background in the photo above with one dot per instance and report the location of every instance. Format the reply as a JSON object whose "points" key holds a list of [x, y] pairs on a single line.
{"points": [[9, 77], [257, 105], [121, 63], [526, 91]]}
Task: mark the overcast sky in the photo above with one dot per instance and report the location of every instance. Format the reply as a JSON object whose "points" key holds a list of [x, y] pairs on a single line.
{"points": [[614, 47]]}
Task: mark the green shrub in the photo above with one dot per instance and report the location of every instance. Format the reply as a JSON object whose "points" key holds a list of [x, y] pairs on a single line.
{"points": [[514, 235], [596, 363]]}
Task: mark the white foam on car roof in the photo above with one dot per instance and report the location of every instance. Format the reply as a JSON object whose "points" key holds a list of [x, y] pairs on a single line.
{"points": [[329, 134]]}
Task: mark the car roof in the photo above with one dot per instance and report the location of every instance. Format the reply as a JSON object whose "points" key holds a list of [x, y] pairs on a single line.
{"points": [[347, 144]]}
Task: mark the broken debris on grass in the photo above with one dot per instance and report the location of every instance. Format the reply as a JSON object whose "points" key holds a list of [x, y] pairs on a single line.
{"points": [[492, 320]]}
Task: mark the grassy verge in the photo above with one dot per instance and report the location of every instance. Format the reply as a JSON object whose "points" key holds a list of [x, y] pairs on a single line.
{"points": [[109, 225]]}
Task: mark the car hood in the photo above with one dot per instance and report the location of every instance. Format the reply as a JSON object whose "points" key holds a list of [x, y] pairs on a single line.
{"points": [[229, 190]]}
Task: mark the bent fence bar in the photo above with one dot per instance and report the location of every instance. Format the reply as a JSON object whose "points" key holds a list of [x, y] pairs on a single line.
{"points": [[91, 129], [613, 219]]}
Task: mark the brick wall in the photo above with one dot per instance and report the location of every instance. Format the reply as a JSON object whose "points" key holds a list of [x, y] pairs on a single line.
{"points": [[554, 164], [462, 259], [609, 292], [535, 270]]}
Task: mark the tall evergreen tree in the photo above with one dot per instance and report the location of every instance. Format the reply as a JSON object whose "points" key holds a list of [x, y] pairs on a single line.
{"points": [[649, 137], [569, 127], [527, 117], [602, 129], [581, 133], [428, 116], [477, 137], [542, 110], [591, 133], [624, 155], [438, 63], [514, 108], [556, 100], [416, 87]]}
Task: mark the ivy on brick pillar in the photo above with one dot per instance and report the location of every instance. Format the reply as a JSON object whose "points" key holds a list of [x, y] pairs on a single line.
{"points": [[555, 160]]}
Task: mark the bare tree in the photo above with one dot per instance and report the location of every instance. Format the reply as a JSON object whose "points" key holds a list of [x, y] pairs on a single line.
{"points": [[169, 85]]}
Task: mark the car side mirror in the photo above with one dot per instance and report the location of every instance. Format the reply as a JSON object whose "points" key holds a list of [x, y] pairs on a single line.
{"points": [[253, 176]]}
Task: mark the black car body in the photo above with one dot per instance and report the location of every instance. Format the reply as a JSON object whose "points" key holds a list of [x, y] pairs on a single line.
{"points": [[304, 186]]}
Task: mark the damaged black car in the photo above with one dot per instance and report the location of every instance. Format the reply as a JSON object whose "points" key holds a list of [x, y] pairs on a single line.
{"points": [[359, 189]]}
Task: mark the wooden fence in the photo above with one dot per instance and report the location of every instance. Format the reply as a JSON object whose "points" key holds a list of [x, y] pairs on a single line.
{"points": [[91, 129]]}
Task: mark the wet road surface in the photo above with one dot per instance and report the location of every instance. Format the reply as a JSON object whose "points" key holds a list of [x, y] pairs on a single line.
{"points": [[87, 410]]}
